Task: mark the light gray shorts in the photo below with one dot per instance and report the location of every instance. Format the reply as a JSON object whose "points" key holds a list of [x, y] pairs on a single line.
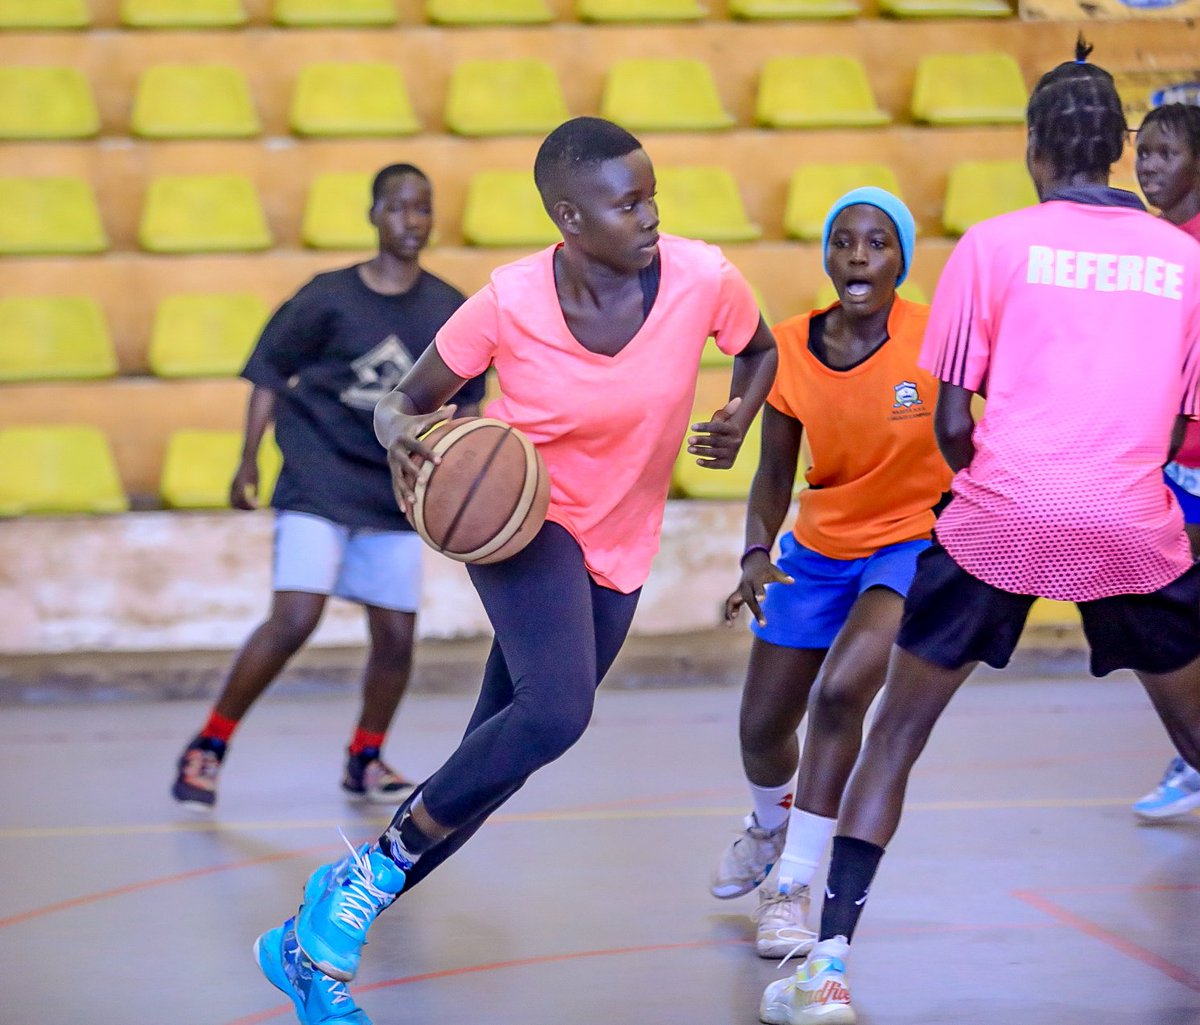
{"points": [[371, 567]]}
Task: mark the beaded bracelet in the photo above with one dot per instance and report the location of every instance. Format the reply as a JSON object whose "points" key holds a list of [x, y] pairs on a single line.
{"points": [[751, 550]]}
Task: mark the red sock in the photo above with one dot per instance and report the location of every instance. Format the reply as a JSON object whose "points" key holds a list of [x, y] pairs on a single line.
{"points": [[218, 727], [364, 739]]}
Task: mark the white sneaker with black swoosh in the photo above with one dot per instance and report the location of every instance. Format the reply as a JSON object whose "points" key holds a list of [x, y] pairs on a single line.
{"points": [[815, 994]]}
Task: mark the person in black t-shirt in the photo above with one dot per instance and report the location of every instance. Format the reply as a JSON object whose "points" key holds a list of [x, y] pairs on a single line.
{"points": [[323, 361]]}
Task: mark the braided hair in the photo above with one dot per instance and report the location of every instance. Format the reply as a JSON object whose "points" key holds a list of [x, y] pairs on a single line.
{"points": [[1182, 120], [1075, 117]]}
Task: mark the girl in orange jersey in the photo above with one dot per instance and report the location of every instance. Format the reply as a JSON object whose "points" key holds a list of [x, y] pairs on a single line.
{"points": [[827, 612]]}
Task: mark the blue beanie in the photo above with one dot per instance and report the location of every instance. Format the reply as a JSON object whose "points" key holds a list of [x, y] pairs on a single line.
{"points": [[891, 205]]}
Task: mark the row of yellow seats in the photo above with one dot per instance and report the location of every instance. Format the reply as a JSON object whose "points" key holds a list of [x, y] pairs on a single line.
{"points": [[76, 14], [511, 97], [222, 213], [46, 338], [69, 468]]}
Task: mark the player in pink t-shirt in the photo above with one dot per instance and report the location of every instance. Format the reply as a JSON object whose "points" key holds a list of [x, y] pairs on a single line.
{"points": [[1080, 318], [1168, 170], [596, 343]]}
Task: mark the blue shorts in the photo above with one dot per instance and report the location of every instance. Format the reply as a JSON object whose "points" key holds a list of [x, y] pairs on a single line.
{"points": [[1189, 502], [810, 612]]}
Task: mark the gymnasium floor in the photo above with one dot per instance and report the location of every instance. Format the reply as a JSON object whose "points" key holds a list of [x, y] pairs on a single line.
{"points": [[1018, 890]]}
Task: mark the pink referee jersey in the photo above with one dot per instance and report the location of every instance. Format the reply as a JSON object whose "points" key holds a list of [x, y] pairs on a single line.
{"points": [[608, 427], [1081, 324], [1189, 452]]}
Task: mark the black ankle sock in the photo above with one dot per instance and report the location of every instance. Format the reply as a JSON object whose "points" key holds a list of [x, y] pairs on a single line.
{"points": [[851, 869], [402, 841]]}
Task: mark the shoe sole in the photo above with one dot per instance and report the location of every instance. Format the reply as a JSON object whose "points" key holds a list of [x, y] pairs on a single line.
{"points": [[196, 807], [776, 949], [1170, 811], [834, 1014]]}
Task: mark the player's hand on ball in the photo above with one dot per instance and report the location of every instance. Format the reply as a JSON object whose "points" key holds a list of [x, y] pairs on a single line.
{"points": [[243, 492], [757, 571], [718, 440], [406, 452]]}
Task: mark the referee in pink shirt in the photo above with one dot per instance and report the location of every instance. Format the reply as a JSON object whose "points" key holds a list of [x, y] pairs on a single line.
{"points": [[1079, 318]]}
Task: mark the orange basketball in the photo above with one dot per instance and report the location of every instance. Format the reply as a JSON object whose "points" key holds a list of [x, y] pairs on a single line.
{"points": [[488, 496]]}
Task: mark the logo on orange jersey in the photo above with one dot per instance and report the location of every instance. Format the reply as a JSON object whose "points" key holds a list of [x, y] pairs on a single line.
{"points": [[906, 395]]}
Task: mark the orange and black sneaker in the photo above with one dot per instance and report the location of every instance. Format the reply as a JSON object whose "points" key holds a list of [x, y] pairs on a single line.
{"points": [[195, 783], [815, 994], [369, 778]]}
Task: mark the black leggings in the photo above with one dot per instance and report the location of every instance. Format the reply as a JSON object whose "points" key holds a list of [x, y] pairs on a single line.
{"points": [[557, 634]]}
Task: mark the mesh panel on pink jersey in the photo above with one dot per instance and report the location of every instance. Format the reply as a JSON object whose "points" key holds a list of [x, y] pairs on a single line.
{"points": [[1064, 497]]}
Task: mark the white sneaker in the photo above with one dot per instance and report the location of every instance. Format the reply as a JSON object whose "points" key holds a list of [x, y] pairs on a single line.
{"points": [[748, 860], [815, 994], [783, 923]]}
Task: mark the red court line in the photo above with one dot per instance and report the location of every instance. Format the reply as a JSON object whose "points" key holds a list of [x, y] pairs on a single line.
{"points": [[150, 884], [1109, 938]]}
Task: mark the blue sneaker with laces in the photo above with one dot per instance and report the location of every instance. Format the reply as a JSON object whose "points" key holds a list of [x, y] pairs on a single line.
{"points": [[1177, 794], [341, 900], [318, 999]]}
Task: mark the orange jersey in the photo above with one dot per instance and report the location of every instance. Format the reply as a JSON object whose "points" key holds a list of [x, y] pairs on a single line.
{"points": [[876, 470]]}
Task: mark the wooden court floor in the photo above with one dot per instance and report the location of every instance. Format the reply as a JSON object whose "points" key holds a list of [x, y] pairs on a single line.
{"points": [[1019, 890]]}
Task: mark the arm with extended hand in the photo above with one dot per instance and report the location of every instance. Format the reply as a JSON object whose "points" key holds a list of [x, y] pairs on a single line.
{"points": [[260, 412], [768, 504]]}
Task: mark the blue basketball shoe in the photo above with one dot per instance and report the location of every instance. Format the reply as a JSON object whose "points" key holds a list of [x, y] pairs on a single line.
{"points": [[1177, 794], [341, 900], [318, 999]]}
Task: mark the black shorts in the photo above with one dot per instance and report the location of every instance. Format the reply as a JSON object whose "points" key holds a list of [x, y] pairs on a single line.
{"points": [[952, 618]]}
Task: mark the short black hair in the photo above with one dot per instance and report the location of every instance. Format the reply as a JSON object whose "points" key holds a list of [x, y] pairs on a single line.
{"points": [[379, 182], [1075, 117], [582, 142], [1180, 119]]}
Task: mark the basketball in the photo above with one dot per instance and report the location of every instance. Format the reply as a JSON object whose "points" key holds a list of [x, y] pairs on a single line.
{"points": [[488, 496]]}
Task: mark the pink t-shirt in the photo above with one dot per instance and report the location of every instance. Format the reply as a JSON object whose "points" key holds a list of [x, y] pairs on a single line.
{"points": [[608, 427], [1081, 324]]}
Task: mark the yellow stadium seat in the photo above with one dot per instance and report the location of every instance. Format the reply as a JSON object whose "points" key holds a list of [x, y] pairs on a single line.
{"points": [[488, 12], [46, 103], [202, 213], [1046, 612], [365, 98], [39, 14], [58, 469], [979, 189], [194, 101], [703, 202], [969, 89], [640, 10], [816, 92], [504, 97], [814, 188], [335, 213], [299, 13], [946, 8], [827, 294], [199, 466], [793, 9], [46, 338], [205, 335], [182, 13], [49, 216], [503, 208], [663, 94], [690, 480]]}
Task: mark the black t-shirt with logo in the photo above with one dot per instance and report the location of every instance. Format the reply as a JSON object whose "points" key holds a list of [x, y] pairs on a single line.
{"points": [[330, 353]]}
